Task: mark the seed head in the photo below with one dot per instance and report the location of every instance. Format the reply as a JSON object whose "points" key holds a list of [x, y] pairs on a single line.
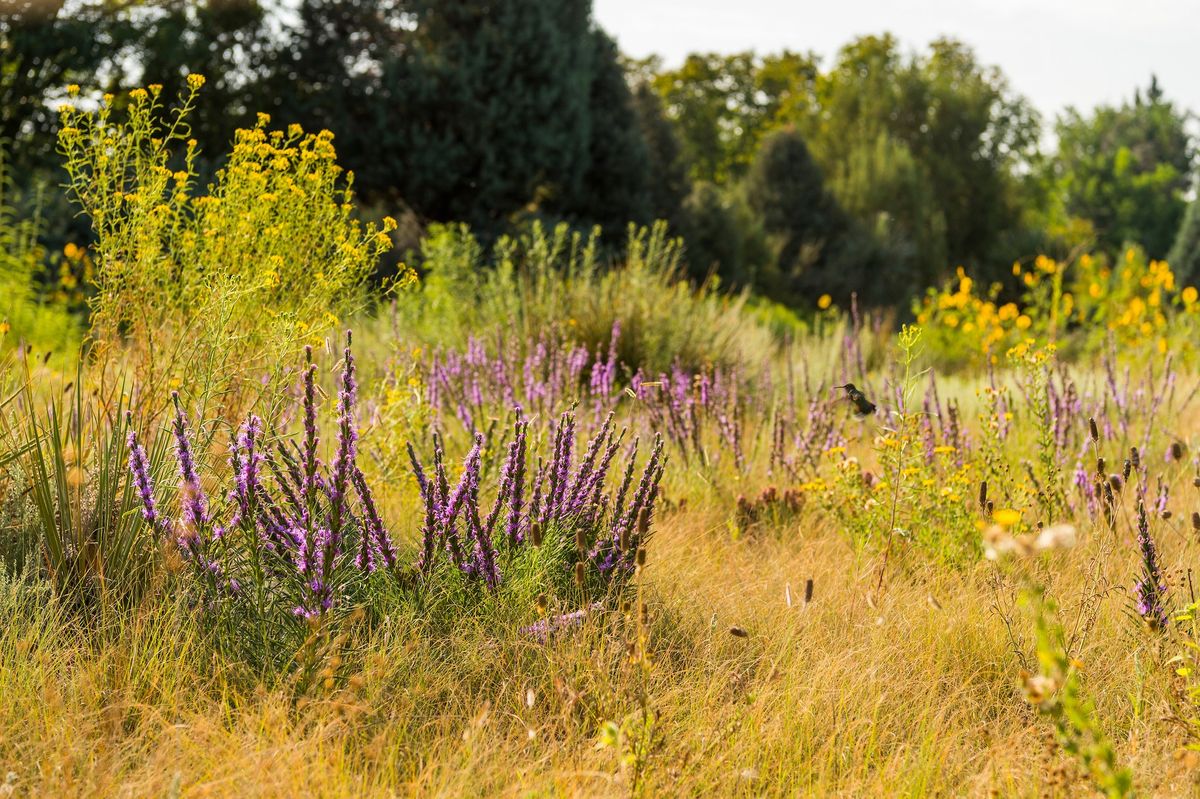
{"points": [[1093, 429], [579, 574], [535, 534]]}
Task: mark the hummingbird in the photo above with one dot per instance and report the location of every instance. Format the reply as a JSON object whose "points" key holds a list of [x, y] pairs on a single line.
{"points": [[862, 405]]}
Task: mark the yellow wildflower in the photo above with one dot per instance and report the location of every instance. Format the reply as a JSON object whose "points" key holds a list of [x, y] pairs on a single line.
{"points": [[1006, 517]]}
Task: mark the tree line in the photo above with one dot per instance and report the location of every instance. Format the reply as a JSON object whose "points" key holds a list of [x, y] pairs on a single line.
{"points": [[876, 170]]}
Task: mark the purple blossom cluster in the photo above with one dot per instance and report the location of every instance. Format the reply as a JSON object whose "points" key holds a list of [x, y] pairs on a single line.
{"points": [[301, 532], [568, 496], [1150, 590], [689, 408], [305, 533], [545, 629]]}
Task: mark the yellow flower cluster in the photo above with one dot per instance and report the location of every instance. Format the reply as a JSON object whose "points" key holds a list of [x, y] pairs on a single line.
{"points": [[1138, 300]]}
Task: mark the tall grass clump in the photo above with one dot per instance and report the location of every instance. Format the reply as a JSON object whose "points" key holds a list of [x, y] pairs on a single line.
{"points": [[557, 282], [206, 290], [291, 551], [69, 505]]}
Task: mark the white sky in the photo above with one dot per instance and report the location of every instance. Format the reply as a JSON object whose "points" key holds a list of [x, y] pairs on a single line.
{"points": [[1054, 52]]}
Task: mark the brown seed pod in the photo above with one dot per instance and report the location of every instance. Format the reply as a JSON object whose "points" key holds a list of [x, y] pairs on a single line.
{"points": [[579, 573], [1196, 521], [983, 493], [535, 534], [641, 556], [643, 521], [1135, 457], [1093, 429]]}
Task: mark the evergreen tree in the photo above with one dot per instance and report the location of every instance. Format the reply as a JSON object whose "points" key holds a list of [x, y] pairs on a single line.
{"points": [[1184, 257], [45, 45], [786, 189], [615, 188], [468, 110], [669, 182]]}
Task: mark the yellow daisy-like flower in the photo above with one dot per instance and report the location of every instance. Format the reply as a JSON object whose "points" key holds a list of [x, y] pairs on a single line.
{"points": [[824, 301], [1189, 295], [1006, 517]]}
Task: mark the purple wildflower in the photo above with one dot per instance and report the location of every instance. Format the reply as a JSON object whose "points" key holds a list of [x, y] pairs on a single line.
{"points": [[139, 467], [1150, 590]]}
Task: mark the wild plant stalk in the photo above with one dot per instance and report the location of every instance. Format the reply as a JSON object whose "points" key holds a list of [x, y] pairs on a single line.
{"points": [[1056, 692], [901, 437]]}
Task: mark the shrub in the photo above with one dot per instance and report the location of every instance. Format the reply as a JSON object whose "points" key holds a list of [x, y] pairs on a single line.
{"points": [[208, 290], [554, 282], [297, 548]]}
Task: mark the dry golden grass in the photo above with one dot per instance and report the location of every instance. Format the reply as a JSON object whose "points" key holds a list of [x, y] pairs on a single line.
{"points": [[913, 691]]}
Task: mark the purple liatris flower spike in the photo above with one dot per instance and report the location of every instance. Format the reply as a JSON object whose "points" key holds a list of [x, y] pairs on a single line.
{"points": [[343, 462], [195, 504], [517, 469], [543, 629], [375, 538], [308, 487], [246, 459], [139, 467], [1150, 589]]}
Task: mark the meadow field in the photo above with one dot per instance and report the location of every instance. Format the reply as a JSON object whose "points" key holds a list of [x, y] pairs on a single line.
{"points": [[550, 519]]}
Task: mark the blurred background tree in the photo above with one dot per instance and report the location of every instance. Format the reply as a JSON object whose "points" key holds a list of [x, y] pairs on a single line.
{"points": [[879, 171], [1127, 170]]}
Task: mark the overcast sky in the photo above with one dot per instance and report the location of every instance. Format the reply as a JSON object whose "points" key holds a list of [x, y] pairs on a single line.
{"points": [[1055, 52]]}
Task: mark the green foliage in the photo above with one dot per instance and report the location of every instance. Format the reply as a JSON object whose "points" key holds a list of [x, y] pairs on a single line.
{"points": [[44, 45], [923, 154], [26, 314], [669, 184], [1057, 694], [208, 290], [544, 282], [614, 190], [723, 237], [1126, 170], [466, 111], [786, 189], [1184, 257], [72, 509], [923, 150], [725, 104]]}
